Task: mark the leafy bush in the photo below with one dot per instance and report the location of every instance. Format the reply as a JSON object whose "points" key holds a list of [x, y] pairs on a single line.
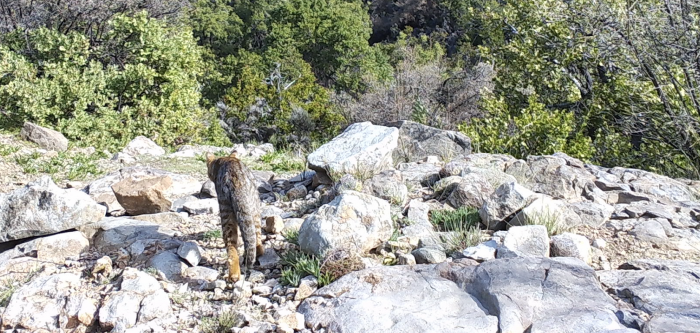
{"points": [[72, 86], [532, 131]]}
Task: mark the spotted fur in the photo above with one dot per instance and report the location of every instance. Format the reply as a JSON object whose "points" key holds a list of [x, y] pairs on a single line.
{"points": [[239, 207]]}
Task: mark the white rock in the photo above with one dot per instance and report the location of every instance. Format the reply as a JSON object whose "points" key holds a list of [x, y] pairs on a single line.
{"points": [[525, 241], [203, 206], [142, 145], [571, 245]]}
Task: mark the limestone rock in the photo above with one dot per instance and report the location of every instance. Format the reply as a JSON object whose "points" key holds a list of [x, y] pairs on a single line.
{"points": [[504, 202], [387, 185], [353, 221], [571, 245], [525, 241], [45, 137], [418, 141], [203, 206], [142, 145], [42, 208], [190, 252], [385, 299], [540, 295], [361, 148], [428, 255], [274, 224], [472, 191]]}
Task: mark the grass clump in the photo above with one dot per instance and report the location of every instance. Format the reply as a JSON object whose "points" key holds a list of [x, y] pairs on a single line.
{"points": [[221, 323], [463, 225], [548, 219], [337, 263], [283, 161]]}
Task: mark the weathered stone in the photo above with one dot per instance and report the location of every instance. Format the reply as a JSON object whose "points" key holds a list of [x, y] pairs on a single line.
{"points": [[203, 206], [427, 255], [418, 141], [101, 191], [307, 286], [668, 291], [482, 252], [57, 248], [541, 295], [589, 213], [504, 202], [269, 259], [361, 148], [208, 190], [458, 166], [542, 208], [167, 218], [39, 304], [650, 231], [571, 245], [169, 265], [114, 233], [190, 252], [417, 175], [553, 176], [142, 145], [385, 299], [45, 137], [387, 185], [144, 196], [366, 218], [42, 208], [525, 241], [274, 224], [472, 191]]}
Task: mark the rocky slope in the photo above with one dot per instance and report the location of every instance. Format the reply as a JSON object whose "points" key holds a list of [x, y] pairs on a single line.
{"points": [[562, 246]]}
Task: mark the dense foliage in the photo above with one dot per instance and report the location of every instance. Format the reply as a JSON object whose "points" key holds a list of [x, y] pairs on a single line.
{"points": [[611, 82]]}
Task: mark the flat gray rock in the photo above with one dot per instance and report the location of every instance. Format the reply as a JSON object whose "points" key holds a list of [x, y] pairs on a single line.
{"points": [[669, 291], [395, 299], [418, 141], [45, 137], [541, 295]]}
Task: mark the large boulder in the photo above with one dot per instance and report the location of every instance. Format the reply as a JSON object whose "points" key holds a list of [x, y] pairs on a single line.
{"points": [[45, 137], [143, 196], [362, 148], [418, 141], [353, 221], [395, 299], [42, 208], [667, 291], [557, 176], [112, 234], [539, 295]]}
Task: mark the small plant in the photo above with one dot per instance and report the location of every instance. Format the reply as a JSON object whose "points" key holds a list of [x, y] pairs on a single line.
{"points": [[7, 288], [291, 276], [211, 235], [283, 161], [300, 265], [550, 220], [291, 236], [338, 263], [221, 323], [7, 150], [463, 224]]}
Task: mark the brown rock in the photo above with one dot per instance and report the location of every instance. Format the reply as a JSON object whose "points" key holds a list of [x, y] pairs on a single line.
{"points": [[44, 137], [143, 196]]}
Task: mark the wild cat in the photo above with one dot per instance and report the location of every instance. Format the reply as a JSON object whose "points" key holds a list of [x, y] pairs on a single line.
{"points": [[239, 207]]}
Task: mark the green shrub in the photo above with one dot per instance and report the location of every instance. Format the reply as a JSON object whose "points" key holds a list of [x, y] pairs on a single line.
{"points": [[70, 85]]}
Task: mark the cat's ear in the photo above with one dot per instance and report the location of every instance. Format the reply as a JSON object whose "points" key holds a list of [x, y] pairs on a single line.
{"points": [[210, 158], [234, 154]]}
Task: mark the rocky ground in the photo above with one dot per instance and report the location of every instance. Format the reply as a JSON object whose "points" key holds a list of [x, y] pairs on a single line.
{"points": [[131, 242]]}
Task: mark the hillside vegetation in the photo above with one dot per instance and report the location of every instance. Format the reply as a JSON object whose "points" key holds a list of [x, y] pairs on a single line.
{"points": [[611, 82]]}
